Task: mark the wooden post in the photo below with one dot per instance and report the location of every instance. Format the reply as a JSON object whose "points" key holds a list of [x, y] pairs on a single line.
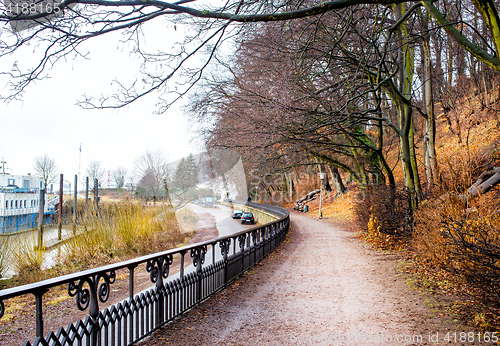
{"points": [[75, 195], [61, 191], [96, 196], [86, 194], [41, 208]]}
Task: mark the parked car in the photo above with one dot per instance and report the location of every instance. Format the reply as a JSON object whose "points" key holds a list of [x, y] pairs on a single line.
{"points": [[247, 217], [236, 214]]}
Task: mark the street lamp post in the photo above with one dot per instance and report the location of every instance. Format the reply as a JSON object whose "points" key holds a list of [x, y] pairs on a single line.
{"points": [[322, 177]]}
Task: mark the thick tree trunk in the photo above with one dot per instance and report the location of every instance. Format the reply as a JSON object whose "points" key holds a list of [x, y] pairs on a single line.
{"points": [[406, 62], [328, 187], [411, 178], [337, 180], [430, 161], [290, 184], [413, 157]]}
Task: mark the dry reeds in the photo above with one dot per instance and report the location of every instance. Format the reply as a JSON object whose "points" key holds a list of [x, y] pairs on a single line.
{"points": [[123, 230], [26, 258], [4, 248]]}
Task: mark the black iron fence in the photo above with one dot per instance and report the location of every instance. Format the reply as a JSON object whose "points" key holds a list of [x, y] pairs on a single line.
{"points": [[142, 313]]}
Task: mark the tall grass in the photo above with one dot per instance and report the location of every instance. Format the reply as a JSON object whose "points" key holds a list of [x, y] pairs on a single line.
{"points": [[4, 248], [121, 230], [26, 258], [116, 232]]}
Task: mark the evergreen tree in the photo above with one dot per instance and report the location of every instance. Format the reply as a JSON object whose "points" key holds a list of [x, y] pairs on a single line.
{"points": [[185, 180]]}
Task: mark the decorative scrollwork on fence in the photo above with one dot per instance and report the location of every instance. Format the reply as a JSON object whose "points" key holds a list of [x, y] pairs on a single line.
{"points": [[159, 269], [198, 255], [241, 240], [224, 247], [254, 236], [84, 295], [104, 289], [153, 268], [167, 261]]}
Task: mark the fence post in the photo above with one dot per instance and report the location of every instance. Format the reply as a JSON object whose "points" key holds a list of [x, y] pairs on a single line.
{"points": [[198, 256], [90, 297], [75, 194], [241, 239], [96, 196], [86, 194], [224, 250], [159, 269], [39, 312]]}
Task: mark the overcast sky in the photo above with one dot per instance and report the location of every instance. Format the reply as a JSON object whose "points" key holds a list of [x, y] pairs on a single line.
{"points": [[47, 121]]}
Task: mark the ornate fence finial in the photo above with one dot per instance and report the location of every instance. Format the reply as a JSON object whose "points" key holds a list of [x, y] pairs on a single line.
{"points": [[198, 255], [158, 269], [241, 240], [95, 291], [224, 247]]}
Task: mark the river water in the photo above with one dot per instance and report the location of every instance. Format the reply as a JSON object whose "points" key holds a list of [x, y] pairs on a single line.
{"points": [[26, 241]]}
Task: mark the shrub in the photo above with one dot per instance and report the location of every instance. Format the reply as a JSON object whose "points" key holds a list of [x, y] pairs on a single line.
{"points": [[383, 210], [462, 237], [472, 251]]}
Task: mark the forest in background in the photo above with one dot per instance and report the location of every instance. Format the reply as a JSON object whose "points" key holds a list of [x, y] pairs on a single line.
{"points": [[403, 121]]}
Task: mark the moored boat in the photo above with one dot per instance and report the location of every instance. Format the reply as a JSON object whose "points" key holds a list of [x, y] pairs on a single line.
{"points": [[20, 203]]}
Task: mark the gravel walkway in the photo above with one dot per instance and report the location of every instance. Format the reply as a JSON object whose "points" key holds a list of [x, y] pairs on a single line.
{"points": [[321, 287]]}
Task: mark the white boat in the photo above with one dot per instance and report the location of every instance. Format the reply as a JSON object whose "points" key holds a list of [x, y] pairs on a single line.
{"points": [[20, 203]]}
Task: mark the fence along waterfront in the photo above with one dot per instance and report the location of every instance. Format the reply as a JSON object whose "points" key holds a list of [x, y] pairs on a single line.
{"points": [[142, 313]]}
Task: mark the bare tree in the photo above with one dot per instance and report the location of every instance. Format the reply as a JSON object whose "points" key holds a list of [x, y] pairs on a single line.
{"points": [[284, 107], [46, 168], [152, 171], [59, 30], [95, 171], [118, 176]]}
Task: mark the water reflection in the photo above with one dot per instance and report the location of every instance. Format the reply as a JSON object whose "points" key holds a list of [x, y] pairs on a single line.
{"points": [[25, 241]]}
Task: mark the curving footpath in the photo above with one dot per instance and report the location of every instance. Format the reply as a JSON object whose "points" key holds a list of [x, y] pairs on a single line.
{"points": [[320, 287]]}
